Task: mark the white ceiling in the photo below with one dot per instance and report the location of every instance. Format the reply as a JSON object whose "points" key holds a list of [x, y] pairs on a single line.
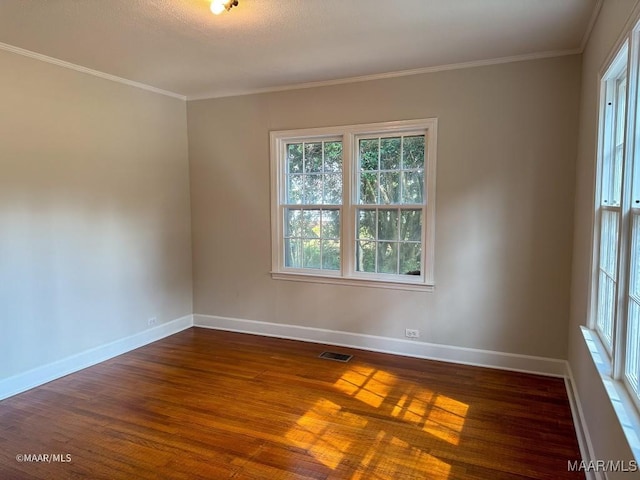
{"points": [[180, 47]]}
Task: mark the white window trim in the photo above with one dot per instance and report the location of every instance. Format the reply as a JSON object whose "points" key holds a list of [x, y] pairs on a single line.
{"points": [[347, 275]]}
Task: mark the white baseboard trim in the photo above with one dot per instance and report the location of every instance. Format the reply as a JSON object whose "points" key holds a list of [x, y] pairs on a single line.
{"points": [[46, 373], [582, 432], [468, 356]]}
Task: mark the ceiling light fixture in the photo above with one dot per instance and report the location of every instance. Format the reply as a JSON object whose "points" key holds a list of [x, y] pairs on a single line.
{"points": [[219, 6]]}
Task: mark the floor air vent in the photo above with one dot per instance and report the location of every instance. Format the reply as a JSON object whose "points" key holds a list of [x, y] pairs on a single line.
{"points": [[338, 357]]}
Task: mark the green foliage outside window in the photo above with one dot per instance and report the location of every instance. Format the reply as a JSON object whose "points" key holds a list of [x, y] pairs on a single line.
{"points": [[391, 182]]}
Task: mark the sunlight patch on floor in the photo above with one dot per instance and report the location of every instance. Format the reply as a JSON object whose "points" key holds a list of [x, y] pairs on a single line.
{"points": [[368, 385], [326, 432], [390, 458], [387, 457], [437, 414]]}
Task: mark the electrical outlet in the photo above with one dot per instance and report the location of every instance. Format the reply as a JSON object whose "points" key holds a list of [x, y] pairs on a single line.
{"points": [[152, 321], [411, 333]]}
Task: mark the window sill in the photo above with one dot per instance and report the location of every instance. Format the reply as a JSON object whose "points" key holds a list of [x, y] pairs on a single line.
{"points": [[353, 282], [620, 400]]}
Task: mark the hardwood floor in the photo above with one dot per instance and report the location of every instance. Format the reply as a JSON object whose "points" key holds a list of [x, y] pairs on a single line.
{"points": [[204, 404]]}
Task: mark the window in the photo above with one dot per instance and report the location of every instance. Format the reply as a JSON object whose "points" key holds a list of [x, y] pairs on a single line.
{"points": [[609, 210], [355, 204], [616, 280]]}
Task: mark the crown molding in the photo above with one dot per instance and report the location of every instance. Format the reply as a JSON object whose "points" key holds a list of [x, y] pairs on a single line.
{"points": [[382, 76], [592, 21], [299, 86], [78, 68]]}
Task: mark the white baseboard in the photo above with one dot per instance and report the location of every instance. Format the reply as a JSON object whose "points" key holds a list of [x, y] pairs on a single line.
{"points": [[468, 356], [46, 373], [580, 425]]}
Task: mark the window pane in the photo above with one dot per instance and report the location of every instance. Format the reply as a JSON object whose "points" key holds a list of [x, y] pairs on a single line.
{"points": [[635, 189], [311, 254], [311, 223], [618, 141], [369, 154], [411, 225], [333, 157], [292, 253], [617, 176], [389, 187], [313, 157], [369, 188], [332, 189], [621, 103], [387, 257], [632, 363], [331, 255], [294, 158], [312, 238], [294, 189], [331, 224], [294, 224], [606, 300], [313, 189], [609, 242], [388, 225], [390, 153], [413, 152], [410, 258], [634, 283], [613, 145], [412, 187], [367, 224], [366, 257]]}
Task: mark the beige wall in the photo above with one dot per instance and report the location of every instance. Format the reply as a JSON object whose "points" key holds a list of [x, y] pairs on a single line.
{"points": [[94, 212], [505, 187], [608, 439]]}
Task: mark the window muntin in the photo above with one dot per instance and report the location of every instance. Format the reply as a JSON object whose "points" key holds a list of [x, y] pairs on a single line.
{"points": [[355, 203]]}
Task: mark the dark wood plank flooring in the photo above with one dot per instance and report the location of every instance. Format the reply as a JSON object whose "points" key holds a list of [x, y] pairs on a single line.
{"points": [[205, 404]]}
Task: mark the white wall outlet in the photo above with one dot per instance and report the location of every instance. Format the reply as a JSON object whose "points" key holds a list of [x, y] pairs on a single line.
{"points": [[152, 321], [411, 333]]}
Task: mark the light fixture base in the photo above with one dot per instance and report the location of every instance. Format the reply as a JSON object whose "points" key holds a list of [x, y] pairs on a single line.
{"points": [[219, 6]]}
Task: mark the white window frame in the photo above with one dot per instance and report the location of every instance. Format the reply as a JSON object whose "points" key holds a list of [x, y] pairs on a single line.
{"points": [[347, 275], [610, 104], [612, 360]]}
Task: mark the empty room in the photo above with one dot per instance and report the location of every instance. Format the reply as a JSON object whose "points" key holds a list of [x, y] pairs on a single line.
{"points": [[320, 239]]}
